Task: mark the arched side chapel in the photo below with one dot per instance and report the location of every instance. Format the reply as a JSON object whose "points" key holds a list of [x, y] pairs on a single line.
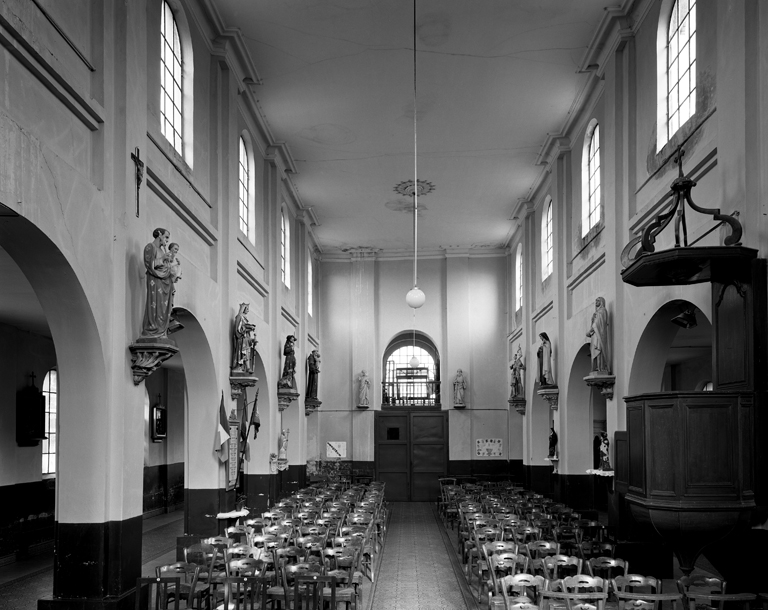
{"points": [[74, 221]]}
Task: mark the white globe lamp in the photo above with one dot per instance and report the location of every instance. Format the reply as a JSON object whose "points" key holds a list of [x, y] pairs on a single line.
{"points": [[415, 298]]}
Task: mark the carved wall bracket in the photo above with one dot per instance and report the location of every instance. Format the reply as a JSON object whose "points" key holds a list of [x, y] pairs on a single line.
{"points": [[551, 394], [604, 383], [285, 397], [518, 404], [238, 382], [311, 405], [147, 356]]}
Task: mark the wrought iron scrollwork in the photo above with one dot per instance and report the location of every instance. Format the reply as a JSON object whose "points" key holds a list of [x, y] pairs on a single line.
{"points": [[681, 191]]}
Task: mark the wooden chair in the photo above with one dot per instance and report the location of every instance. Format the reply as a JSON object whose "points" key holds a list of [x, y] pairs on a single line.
{"points": [[700, 584], [189, 589], [244, 593], [541, 548], [560, 566], [551, 600], [525, 585], [636, 583], [284, 592], [309, 592], [608, 567], [153, 593]]}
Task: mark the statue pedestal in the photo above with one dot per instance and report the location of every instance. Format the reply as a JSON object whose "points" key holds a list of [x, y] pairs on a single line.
{"points": [[554, 460], [311, 405], [148, 353], [285, 397], [238, 381], [551, 394], [602, 382], [518, 404], [362, 406], [460, 405]]}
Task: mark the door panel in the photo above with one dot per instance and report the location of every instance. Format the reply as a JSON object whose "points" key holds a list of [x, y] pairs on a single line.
{"points": [[411, 453]]}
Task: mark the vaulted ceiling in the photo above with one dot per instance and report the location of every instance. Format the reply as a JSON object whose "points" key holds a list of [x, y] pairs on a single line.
{"points": [[494, 77]]}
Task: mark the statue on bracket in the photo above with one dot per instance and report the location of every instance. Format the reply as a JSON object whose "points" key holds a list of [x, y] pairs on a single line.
{"points": [[311, 403], [459, 388], [605, 463], [287, 380], [153, 347], [363, 389], [517, 367], [243, 343], [599, 347], [544, 355], [552, 443]]}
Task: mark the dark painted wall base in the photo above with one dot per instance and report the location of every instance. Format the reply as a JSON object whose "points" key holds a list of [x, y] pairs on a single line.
{"points": [[512, 469], [96, 560], [200, 504], [163, 487], [539, 479], [124, 602]]}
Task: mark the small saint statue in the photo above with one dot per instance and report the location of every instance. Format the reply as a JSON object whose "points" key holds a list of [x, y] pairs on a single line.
{"points": [[282, 444], [544, 355], [287, 381], [552, 443], [313, 373], [517, 367], [459, 387], [599, 348], [605, 462], [243, 343], [363, 389]]}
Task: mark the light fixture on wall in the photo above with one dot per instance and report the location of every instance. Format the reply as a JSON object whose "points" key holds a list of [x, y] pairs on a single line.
{"points": [[686, 319]]}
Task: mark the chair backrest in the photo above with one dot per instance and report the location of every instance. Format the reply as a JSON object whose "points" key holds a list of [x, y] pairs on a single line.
{"points": [[308, 592], [701, 584], [560, 566], [241, 551], [247, 566], [522, 584], [671, 599], [539, 548], [560, 599], [245, 592], [582, 583], [636, 583], [153, 593], [608, 567], [203, 555]]}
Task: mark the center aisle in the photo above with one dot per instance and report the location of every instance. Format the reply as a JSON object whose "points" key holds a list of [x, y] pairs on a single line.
{"points": [[417, 570]]}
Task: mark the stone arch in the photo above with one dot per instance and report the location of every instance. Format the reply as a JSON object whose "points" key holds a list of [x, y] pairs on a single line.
{"points": [[83, 445], [653, 349], [581, 405], [203, 475]]}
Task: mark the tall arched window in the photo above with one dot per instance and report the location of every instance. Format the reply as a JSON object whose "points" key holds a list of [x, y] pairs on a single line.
{"points": [[676, 60], [591, 209], [171, 75], [547, 243], [404, 383], [285, 249], [310, 286], [51, 395], [519, 277], [244, 182]]}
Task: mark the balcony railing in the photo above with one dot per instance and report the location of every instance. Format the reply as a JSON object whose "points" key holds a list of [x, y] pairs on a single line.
{"points": [[410, 392]]}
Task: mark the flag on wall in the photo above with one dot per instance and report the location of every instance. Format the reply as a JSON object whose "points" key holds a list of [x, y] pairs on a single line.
{"points": [[255, 419], [222, 433], [244, 429]]}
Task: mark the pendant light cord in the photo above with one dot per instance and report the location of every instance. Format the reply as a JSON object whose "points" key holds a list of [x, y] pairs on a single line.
{"points": [[415, 160]]}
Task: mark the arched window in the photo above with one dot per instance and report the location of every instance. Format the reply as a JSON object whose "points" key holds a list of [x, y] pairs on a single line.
{"points": [[244, 179], [310, 286], [171, 76], [547, 244], [676, 67], [285, 249], [51, 394], [519, 277], [404, 383], [591, 209]]}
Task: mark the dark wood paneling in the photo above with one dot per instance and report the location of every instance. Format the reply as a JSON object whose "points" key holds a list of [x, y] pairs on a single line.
{"points": [[731, 336], [661, 445], [709, 443], [636, 445], [621, 453]]}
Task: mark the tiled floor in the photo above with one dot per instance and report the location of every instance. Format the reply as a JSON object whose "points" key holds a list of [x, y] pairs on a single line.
{"points": [[417, 570]]}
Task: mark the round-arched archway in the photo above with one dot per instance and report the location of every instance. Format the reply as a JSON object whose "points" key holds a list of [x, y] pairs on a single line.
{"points": [[671, 357]]}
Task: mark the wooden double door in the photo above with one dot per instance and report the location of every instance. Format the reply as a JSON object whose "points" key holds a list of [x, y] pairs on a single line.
{"points": [[411, 453]]}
